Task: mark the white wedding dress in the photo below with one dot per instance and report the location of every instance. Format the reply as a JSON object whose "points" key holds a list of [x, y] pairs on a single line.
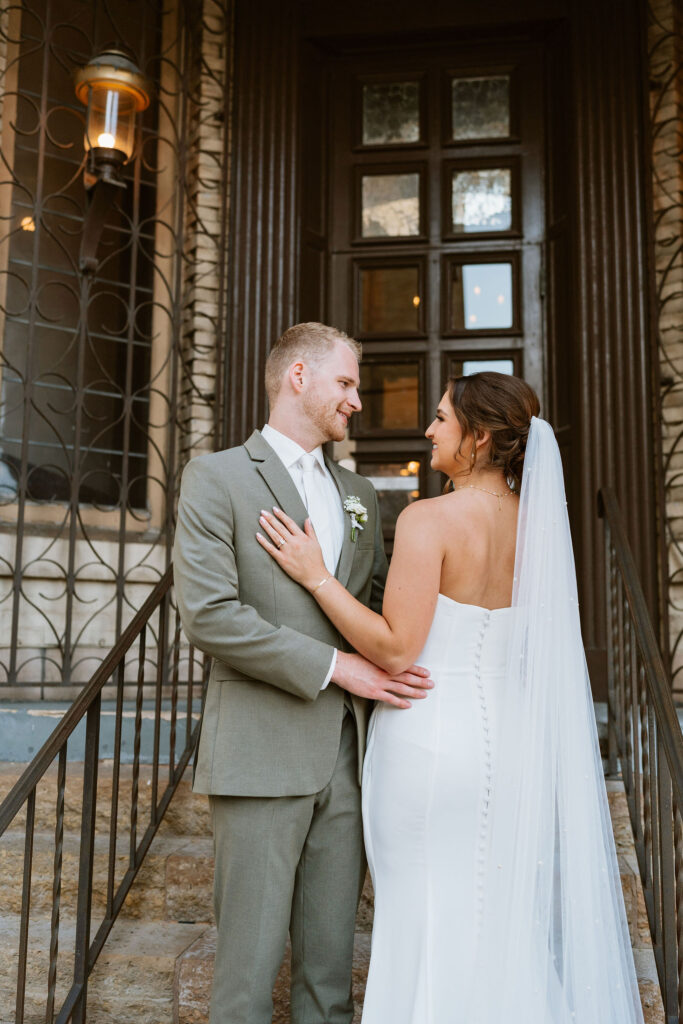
{"points": [[487, 828], [428, 783]]}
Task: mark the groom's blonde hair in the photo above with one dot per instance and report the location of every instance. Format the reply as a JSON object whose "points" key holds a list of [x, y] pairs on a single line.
{"points": [[310, 343]]}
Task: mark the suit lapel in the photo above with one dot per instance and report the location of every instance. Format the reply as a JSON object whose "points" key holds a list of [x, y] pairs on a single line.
{"points": [[277, 477], [348, 546], [288, 499]]}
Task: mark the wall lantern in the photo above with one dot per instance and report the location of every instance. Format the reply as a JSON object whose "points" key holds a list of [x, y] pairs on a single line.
{"points": [[113, 89]]}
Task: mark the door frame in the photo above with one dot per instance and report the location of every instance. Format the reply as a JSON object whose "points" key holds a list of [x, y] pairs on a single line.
{"points": [[602, 364]]}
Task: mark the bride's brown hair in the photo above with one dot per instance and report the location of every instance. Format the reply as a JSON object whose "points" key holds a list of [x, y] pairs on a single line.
{"points": [[501, 404]]}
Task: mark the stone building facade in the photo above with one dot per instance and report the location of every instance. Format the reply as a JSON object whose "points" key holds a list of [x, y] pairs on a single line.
{"points": [[72, 572]]}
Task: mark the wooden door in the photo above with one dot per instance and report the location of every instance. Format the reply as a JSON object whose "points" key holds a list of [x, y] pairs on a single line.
{"points": [[436, 227]]}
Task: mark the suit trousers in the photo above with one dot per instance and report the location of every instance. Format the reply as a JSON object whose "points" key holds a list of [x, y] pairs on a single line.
{"points": [[289, 864]]}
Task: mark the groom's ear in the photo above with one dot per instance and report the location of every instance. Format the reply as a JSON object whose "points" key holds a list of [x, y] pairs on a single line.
{"points": [[296, 376]]}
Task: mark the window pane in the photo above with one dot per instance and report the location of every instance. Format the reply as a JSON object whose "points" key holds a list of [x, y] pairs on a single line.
{"points": [[482, 200], [391, 205], [390, 396], [468, 366], [389, 300], [391, 113], [397, 485], [481, 107], [481, 296]]}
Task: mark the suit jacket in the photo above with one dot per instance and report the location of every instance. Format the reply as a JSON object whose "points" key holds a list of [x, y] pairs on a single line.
{"points": [[267, 729]]}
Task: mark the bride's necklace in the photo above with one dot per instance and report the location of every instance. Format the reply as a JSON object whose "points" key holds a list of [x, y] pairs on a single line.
{"points": [[496, 494]]}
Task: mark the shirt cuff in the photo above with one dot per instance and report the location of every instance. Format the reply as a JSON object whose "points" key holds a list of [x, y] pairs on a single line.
{"points": [[329, 674]]}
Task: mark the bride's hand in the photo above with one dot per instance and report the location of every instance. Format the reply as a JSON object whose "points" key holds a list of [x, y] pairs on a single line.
{"points": [[296, 551]]}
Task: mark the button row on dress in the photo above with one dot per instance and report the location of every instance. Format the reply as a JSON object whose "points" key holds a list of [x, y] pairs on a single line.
{"points": [[483, 831]]}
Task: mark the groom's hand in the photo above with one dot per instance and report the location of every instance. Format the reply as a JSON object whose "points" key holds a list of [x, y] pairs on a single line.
{"points": [[359, 676]]}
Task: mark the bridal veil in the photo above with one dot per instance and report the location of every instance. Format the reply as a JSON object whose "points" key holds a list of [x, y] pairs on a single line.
{"points": [[554, 945]]}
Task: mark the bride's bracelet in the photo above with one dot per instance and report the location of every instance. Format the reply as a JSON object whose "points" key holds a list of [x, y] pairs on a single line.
{"points": [[313, 590]]}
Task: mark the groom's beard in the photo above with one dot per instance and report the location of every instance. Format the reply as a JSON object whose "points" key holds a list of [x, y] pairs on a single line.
{"points": [[326, 418]]}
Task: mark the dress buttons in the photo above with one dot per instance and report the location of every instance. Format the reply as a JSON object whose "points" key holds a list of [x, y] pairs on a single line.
{"points": [[487, 766]]}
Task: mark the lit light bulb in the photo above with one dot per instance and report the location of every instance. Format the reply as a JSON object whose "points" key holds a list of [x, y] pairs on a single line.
{"points": [[416, 301], [413, 468], [473, 318], [28, 224], [500, 300], [476, 290], [106, 140]]}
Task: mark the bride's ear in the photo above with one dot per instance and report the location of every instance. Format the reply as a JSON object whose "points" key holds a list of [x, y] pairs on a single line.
{"points": [[482, 441]]}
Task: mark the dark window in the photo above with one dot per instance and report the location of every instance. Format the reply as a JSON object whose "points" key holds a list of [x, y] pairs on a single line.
{"points": [[76, 362]]}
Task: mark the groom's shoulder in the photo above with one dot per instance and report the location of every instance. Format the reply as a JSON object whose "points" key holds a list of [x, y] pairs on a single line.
{"points": [[215, 465]]}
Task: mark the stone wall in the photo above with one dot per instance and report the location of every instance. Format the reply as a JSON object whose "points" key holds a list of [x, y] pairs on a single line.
{"points": [[665, 44], [208, 188]]}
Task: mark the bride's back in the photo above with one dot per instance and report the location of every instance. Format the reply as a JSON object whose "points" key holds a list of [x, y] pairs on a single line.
{"points": [[479, 536]]}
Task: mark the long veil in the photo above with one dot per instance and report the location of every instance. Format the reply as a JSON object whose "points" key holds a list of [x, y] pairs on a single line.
{"points": [[554, 945]]}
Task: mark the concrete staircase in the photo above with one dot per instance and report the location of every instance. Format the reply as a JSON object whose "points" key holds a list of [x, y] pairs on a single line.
{"points": [[157, 964]]}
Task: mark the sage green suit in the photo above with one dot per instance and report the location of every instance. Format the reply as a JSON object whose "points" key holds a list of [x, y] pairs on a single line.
{"points": [[280, 759]]}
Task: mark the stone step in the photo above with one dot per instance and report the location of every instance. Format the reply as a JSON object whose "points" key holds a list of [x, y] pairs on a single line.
{"points": [[173, 884], [162, 975], [133, 979], [145, 973], [175, 881], [188, 814], [196, 966], [158, 962]]}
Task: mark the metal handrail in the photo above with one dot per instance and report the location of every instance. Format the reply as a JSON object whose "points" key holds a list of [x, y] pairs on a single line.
{"points": [[645, 739], [166, 670]]}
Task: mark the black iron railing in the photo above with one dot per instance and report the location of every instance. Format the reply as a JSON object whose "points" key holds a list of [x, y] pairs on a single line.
{"points": [[179, 674], [645, 739]]}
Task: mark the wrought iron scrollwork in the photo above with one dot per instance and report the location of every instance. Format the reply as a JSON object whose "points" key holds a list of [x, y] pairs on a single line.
{"points": [[665, 39], [108, 381]]}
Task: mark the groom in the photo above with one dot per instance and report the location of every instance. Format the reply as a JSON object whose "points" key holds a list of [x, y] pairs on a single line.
{"points": [[283, 727]]}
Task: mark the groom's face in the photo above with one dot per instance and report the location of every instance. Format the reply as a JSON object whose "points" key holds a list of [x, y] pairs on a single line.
{"points": [[331, 396]]}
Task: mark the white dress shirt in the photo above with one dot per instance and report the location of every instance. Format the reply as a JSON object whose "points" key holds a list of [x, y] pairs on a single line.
{"points": [[332, 537]]}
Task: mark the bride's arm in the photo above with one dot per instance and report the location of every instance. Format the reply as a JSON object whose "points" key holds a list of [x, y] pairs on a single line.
{"points": [[393, 639]]}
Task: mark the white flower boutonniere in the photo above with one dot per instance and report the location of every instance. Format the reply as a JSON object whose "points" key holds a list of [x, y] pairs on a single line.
{"points": [[357, 512]]}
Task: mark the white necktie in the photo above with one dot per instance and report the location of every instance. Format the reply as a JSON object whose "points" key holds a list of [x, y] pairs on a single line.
{"points": [[317, 506]]}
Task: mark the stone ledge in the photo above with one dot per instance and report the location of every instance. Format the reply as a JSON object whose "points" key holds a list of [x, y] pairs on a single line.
{"points": [[173, 884], [187, 815], [132, 980]]}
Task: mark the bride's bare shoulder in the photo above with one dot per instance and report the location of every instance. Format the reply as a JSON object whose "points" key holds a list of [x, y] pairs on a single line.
{"points": [[435, 512]]}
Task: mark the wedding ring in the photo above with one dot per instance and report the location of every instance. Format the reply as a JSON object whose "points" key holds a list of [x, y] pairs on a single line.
{"points": [[281, 541]]}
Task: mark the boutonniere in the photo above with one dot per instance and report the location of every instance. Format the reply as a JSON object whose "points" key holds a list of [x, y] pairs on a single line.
{"points": [[357, 512]]}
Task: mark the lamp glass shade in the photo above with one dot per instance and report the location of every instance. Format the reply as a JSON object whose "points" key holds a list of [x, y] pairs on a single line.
{"points": [[111, 119]]}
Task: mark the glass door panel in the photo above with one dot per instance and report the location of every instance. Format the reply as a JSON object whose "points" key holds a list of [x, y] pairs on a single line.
{"points": [[481, 296], [390, 113], [480, 107], [390, 302], [390, 205], [481, 199], [392, 391], [434, 263]]}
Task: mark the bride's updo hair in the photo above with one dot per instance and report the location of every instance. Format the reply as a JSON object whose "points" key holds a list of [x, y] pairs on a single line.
{"points": [[503, 405]]}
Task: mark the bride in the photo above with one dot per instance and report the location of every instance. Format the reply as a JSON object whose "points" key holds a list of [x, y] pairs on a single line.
{"points": [[497, 892]]}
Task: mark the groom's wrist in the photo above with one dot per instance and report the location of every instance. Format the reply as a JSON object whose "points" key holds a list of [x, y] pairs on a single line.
{"points": [[343, 671]]}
